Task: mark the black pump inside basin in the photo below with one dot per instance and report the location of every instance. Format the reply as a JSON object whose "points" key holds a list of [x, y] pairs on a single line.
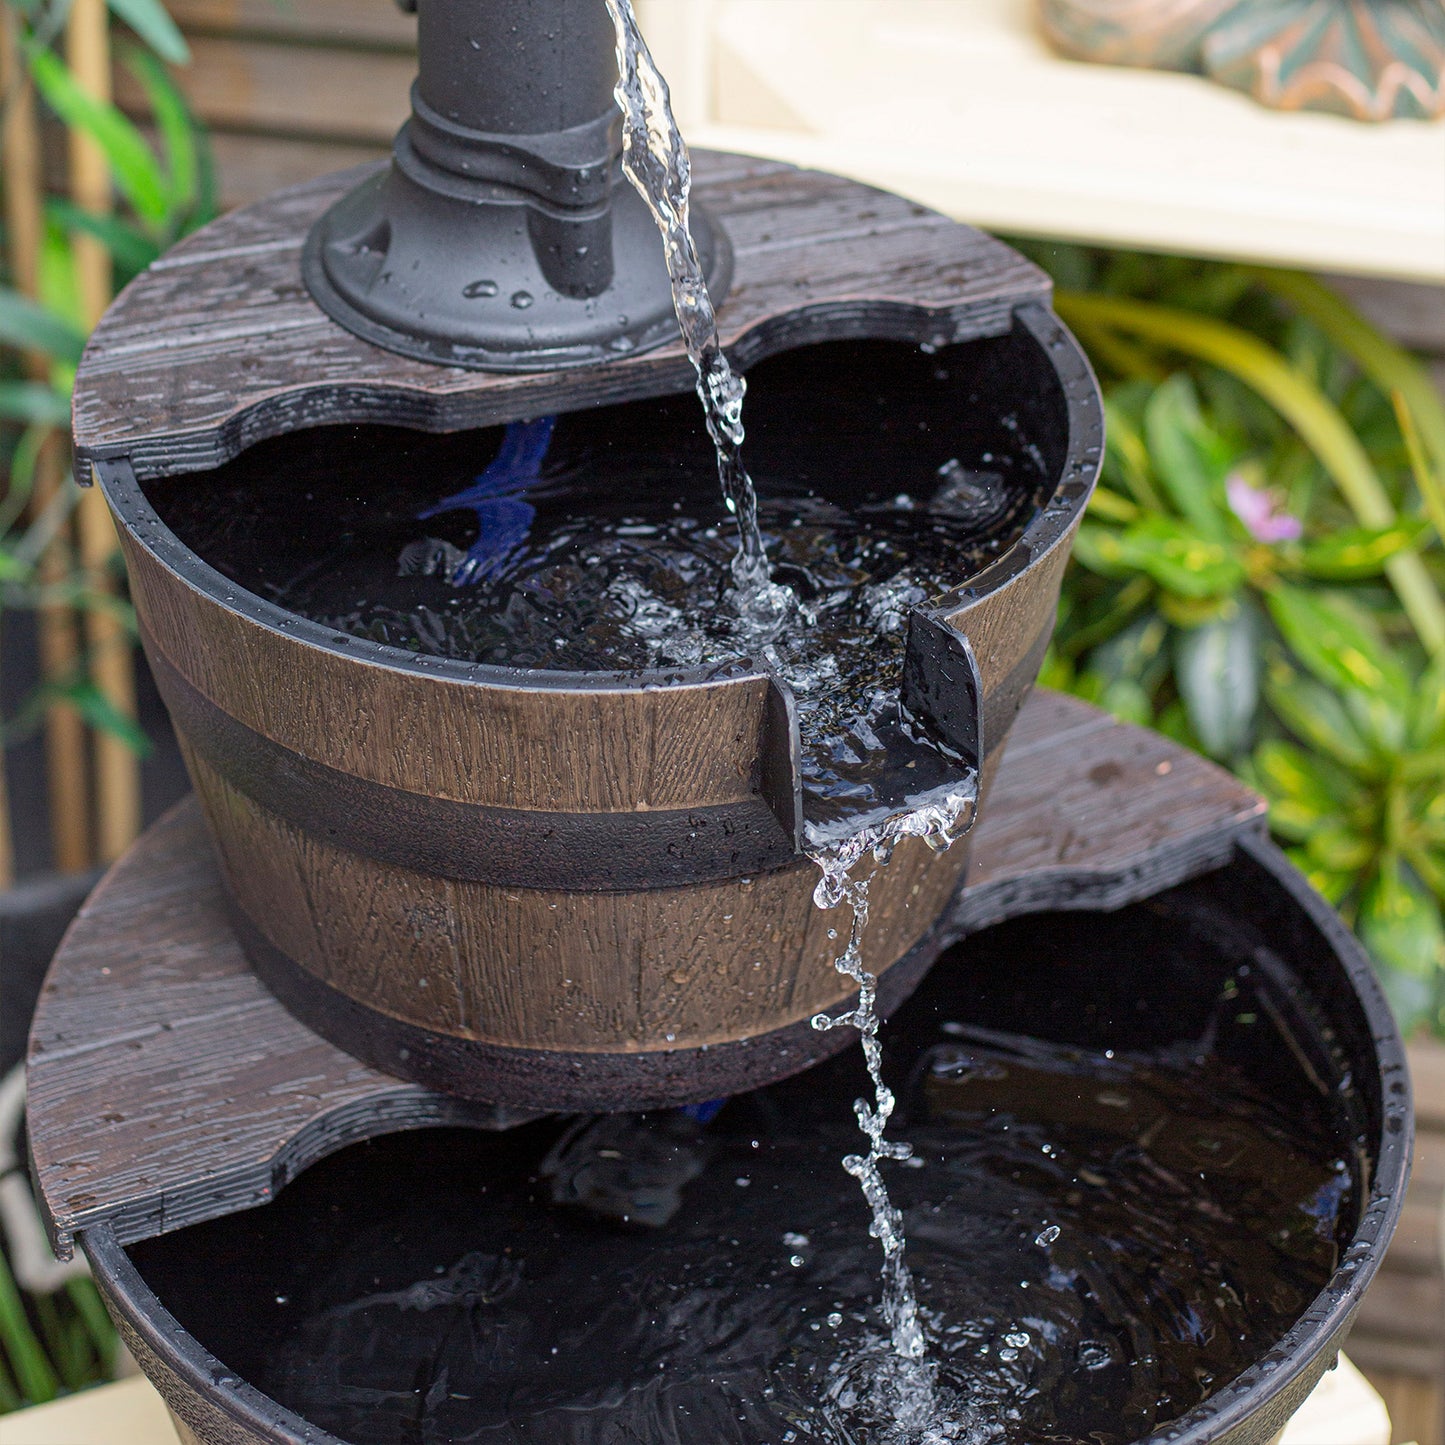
{"points": [[1162, 1150]]}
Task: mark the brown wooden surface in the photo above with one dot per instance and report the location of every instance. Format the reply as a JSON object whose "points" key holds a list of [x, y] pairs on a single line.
{"points": [[219, 345], [167, 1086]]}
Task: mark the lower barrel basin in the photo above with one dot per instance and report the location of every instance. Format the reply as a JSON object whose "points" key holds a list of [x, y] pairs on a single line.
{"points": [[1163, 1152]]}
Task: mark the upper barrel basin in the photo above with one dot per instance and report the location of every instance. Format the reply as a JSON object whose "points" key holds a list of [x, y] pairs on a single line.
{"points": [[567, 889]]}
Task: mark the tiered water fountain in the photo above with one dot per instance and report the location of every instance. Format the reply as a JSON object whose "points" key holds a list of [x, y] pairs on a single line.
{"points": [[520, 782]]}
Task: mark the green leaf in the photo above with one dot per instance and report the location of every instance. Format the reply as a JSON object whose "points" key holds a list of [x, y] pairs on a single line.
{"points": [[1098, 549], [1338, 642], [177, 130], [1217, 668], [1312, 415], [149, 20], [34, 403], [33, 1370], [1388, 365], [14, 570], [1427, 721], [1338, 848], [1359, 552], [1136, 654], [136, 170], [1178, 558], [1304, 791], [102, 714], [1315, 715], [131, 250], [30, 327], [1123, 697], [1188, 458], [1399, 923]]}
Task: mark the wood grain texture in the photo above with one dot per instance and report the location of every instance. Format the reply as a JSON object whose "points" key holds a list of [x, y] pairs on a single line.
{"points": [[219, 345], [167, 1086]]}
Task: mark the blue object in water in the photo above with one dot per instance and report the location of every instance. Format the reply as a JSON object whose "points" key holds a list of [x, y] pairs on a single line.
{"points": [[703, 1113], [503, 514]]}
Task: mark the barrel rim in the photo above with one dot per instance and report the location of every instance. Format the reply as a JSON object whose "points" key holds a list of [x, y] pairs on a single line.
{"points": [[1083, 456]]}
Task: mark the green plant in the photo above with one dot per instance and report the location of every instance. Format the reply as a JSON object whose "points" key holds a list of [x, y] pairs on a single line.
{"points": [[163, 188], [55, 1342], [1260, 573]]}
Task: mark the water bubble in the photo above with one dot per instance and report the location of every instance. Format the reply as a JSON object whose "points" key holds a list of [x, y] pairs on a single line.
{"points": [[1047, 1235]]}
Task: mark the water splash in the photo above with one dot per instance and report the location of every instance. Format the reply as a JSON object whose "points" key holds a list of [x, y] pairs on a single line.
{"points": [[655, 159], [938, 820]]}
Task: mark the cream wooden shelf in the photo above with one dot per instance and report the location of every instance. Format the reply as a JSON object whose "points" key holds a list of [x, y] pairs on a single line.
{"points": [[1343, 1410], [960, 104]]}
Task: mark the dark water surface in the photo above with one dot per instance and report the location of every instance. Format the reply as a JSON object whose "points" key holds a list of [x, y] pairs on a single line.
{"points": [[881, 484], [1139, 1159]]}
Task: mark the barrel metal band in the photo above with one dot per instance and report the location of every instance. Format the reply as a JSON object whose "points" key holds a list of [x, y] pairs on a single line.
{"points": [[611, 852]]}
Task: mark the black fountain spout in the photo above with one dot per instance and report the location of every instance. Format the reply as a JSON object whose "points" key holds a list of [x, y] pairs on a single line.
{"points": [[503, 235]]}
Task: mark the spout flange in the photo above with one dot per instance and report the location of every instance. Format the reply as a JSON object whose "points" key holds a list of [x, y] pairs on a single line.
{"points": [[471, 272]]}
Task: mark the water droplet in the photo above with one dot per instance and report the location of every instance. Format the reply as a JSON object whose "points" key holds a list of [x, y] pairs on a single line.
{"points": [[521, 299], [1048, 1235], [484, 287]]}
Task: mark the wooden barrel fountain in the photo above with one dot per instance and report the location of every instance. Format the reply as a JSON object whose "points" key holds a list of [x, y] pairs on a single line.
{"points": [[538, 887]]}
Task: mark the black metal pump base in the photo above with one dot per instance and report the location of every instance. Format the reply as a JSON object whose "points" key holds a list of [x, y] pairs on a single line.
{"points": [[504, 236]]}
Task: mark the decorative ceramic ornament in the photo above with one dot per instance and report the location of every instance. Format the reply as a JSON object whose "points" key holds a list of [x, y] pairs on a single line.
{"points": [[1368, 59]]}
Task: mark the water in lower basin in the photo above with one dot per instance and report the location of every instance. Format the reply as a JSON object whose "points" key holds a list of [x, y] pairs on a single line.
{"points": [[1132, 1170]]}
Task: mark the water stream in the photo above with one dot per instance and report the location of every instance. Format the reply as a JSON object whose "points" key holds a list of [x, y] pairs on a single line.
{"points": [[655, 160]]}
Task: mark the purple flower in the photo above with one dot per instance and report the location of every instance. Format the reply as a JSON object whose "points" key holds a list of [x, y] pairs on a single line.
{"points": [[1261, 512]]}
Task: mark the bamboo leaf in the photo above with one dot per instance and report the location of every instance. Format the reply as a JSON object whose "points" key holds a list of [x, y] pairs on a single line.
{"points": [[27, 326], [177, 130], [150, 21], [101, 713], [131, 250], [1389, 366], [136, 170], [33, 1372], [34, 403]]}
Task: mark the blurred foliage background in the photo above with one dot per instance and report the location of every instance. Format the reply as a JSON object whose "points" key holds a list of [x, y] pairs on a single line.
{"points": [[1260, 573], [89, 200]]}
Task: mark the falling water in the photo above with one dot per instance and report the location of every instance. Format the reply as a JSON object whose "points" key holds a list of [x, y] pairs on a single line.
{"points": [[938, 820], [655, 160]]}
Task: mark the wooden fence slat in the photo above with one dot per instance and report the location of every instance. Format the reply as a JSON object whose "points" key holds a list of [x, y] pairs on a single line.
{"points": [[378, 23], [290, 89]]}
